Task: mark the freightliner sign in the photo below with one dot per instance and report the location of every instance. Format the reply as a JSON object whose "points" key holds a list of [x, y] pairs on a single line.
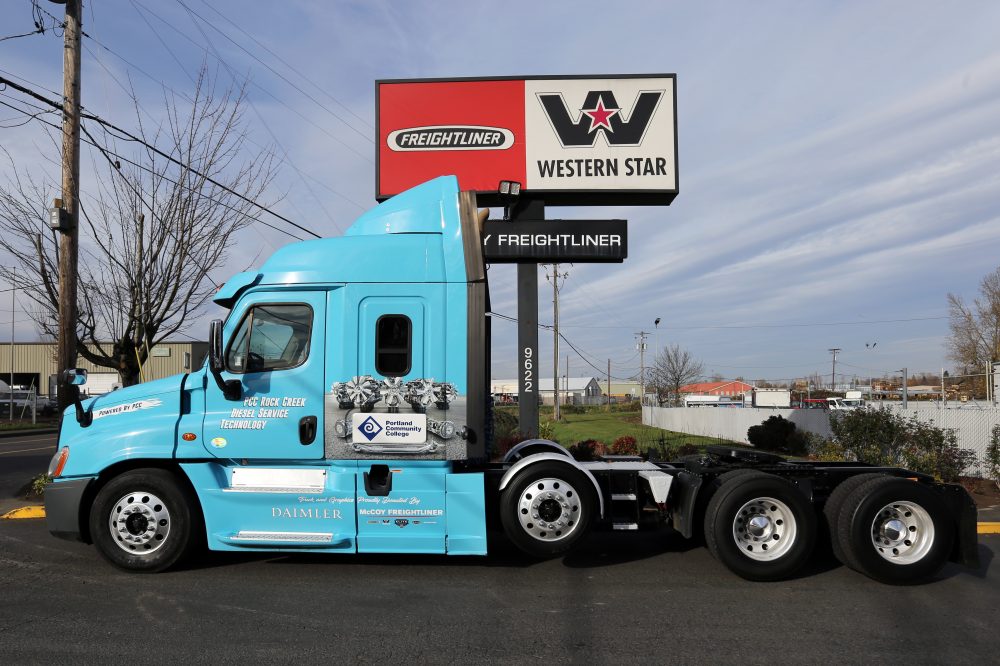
{"points": [[573, 140], [553, 241]]}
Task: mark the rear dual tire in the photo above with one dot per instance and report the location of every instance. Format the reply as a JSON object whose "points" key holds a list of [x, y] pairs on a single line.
{"points": [[894, 530]]}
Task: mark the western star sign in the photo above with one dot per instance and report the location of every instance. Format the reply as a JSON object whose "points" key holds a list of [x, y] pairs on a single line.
{"points": [[567, 140], [542, 241]]}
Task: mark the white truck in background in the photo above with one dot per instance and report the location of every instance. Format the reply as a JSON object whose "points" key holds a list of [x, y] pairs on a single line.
{"points": [[772, 398], [851, 400]]}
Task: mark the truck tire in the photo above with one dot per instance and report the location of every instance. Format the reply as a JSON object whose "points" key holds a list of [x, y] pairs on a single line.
{"points": [[547, 508], [142, 521], [834, 504], [760, 526], [895, 530]]}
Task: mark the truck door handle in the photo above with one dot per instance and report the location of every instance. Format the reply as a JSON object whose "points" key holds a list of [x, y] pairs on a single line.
{"points": [[307, 430]]}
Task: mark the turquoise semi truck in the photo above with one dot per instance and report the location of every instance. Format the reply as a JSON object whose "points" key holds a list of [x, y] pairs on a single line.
{"points": [[344, 408]]}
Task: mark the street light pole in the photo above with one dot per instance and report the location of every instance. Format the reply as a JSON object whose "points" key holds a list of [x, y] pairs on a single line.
{"points": [[656, 354]]}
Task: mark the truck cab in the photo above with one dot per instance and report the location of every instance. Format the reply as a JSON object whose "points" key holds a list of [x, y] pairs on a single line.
{"points": [[347, 378]]}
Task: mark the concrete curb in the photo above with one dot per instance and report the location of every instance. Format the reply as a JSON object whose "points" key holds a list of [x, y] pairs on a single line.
{"points": [[36, 511], [988, 528]]}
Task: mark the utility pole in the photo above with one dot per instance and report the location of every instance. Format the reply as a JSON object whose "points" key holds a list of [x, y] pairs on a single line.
{"points": [[567, 379], [641, 346], [833, 375], [13, 307], [69, 234], [555, 337], [905, 391], [609, 384]]}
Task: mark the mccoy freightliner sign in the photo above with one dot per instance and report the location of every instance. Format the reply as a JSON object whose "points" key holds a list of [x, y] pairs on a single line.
{"points": [[567, 140]]}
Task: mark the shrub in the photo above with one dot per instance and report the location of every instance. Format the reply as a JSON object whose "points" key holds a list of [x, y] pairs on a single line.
{"points": [[883, 437], [38, 484], [993, 456], [625, 446], [825, 450], [687, 450], [587, 450], [778, 434], [505, 423], [572, 409], [546, 430]]}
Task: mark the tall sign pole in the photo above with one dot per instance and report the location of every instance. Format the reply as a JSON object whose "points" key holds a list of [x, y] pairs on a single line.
{"points": [[69, 235], [527, 328]]}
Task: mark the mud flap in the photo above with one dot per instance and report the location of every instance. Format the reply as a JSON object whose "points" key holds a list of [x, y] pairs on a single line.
{"points": [[965, 550], [685, 497]]}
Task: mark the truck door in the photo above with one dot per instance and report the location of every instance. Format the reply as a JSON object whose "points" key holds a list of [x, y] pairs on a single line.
{"points": [[274, 346]]}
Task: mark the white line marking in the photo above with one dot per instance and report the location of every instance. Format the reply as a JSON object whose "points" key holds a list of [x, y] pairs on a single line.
{"points": [[26, 440], [44, 448]]}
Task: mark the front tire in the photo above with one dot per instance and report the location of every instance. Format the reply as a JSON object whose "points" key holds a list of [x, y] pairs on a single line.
{"points": [[895, 531], [548, 508], [760, 526], [142, 521]]}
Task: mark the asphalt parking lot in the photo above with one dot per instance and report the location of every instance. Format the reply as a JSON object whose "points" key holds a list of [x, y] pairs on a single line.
{"points": [[619, 599]]}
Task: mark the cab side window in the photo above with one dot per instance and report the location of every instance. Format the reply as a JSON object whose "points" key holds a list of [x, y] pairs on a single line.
{"points": [[393, 345], [271, 337]]}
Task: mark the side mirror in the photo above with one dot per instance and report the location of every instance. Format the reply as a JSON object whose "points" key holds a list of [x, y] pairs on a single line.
{"points": [[74, 377], [231, 389], [215, 346]]}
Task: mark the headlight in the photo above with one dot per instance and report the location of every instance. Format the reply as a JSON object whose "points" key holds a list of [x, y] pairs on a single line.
{"points": [[58, 462]]}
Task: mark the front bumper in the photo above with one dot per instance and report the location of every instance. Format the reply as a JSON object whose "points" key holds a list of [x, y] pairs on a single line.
{"points": [[62, 507]]}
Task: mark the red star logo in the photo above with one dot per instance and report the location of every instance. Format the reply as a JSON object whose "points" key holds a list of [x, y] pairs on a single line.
{"points": [[600, 116]]}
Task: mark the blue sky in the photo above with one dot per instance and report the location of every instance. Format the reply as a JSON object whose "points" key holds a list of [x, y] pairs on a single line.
{"points": [[839, 162]]}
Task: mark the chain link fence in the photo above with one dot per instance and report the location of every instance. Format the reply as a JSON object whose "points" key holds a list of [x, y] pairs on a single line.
{"points": [[972, 423]]}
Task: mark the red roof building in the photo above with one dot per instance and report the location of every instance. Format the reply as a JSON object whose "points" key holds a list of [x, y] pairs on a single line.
{"points": [[733, 387]]}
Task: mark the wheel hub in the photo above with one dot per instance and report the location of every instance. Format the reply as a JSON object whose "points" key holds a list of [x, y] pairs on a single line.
{"points": [[764, 528], [549, 509], [136, 524], [893, 530], [902, 532], [759, 526], [139, 523]]}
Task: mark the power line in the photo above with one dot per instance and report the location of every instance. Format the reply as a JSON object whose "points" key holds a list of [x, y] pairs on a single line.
{"points": [[602, 372], [283, 159], [256, 85], [106, 152], [274, 71], [267, 127], [785, 325], [128, 136]]}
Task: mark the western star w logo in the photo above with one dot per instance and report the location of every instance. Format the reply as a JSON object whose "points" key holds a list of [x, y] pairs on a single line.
{"points": [[600, 114]]}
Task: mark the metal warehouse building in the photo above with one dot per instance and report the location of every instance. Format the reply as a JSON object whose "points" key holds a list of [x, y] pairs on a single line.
{"points": [[35, 364]]}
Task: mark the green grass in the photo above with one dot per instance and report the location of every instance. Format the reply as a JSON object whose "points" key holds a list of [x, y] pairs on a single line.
{"points": [[606, 427]]}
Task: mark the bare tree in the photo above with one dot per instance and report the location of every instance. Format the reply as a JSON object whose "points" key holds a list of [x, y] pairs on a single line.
{"points": [[673, 368], [975, 328], [151, 229]]}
